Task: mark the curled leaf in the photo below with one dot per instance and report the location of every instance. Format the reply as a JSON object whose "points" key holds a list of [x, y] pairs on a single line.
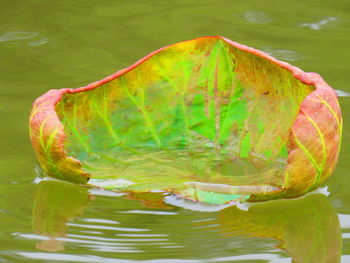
{"points": [[198, 117]]}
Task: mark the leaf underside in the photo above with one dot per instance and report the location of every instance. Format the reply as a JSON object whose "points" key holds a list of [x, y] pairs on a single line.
{"points": [[199, 116]]}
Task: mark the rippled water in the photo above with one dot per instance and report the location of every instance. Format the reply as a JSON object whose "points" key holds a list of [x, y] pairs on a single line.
{"points": [[67, 44]]}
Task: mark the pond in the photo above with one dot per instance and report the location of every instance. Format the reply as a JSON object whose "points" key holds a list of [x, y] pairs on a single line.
{"points": [[68, 44]]}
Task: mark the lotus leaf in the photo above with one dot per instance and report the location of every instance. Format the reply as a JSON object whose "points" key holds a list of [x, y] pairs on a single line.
{"points": [[207, 119]]}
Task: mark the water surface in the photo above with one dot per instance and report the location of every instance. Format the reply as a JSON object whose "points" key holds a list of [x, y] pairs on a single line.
{"points": [[68, 44]]}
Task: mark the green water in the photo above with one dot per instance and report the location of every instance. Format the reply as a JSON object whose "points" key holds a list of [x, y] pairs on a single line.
{"points": [[67, 44]]}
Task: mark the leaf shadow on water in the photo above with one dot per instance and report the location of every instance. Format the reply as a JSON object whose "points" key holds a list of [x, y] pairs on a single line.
{"points": [[307, 228]]}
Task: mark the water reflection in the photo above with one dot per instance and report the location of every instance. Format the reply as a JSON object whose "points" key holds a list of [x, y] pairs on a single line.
{"points": [[39, 42], [320, 24], [287, 55], [56, 203], [257, 17], [307, 228], [10, 36], [342, 93]]}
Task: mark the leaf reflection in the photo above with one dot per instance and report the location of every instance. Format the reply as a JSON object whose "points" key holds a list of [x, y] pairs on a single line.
{"points": [[56, 203], [308, 228]]}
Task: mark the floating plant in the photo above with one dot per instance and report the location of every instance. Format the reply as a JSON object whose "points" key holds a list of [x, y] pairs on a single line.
{"points": [[207, 119]]}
